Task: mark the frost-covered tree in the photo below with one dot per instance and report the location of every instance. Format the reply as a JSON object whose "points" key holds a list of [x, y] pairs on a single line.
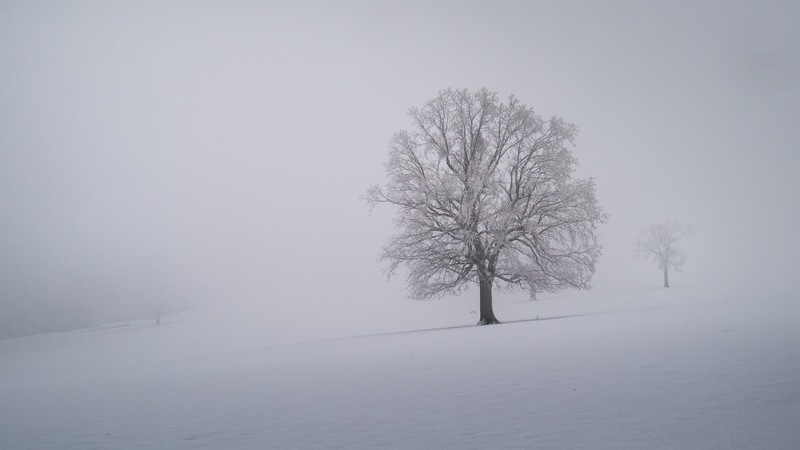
{"points": [[486, 195], [659, 244]]}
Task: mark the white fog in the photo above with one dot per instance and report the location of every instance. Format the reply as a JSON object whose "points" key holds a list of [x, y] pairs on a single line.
{"points": [[206, 162]]}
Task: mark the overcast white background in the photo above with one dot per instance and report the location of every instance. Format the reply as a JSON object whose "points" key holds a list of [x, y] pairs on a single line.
{"points": [[182, 152]]}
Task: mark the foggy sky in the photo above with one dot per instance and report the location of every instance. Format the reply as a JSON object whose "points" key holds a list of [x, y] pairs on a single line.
{"points": [[173, 153]]}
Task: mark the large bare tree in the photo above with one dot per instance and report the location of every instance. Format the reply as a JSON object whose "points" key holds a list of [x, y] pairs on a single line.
{"points": [[659, 243], [486, 195]]}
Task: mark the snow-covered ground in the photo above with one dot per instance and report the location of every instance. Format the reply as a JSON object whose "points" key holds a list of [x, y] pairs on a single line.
{"points": [[688, 367]]}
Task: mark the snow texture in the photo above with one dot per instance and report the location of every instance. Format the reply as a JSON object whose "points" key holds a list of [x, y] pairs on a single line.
{"points": [[688, 367]]}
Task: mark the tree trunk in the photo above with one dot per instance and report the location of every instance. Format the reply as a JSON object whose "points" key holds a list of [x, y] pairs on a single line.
{"points": [[666, 277], [487, 314]]}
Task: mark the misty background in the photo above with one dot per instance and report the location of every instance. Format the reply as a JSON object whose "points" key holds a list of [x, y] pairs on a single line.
{"points": [[162, 155]]}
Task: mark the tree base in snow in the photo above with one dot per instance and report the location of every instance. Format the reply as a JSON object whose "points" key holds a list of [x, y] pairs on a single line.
{"points": [[488, 322]]}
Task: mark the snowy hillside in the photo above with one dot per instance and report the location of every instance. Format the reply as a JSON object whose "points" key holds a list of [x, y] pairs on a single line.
{"points": [[688, 367]]}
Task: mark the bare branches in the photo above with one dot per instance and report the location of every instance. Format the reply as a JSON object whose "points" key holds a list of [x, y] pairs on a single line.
{"points": [[484, 189], [659, 244]]}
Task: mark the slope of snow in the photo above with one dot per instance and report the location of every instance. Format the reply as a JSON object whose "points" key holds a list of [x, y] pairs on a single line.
{"points": [[655, 368]]}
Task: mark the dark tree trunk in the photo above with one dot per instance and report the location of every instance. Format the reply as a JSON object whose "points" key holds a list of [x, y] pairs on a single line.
{"points": [[666, 277], [487, 314]]}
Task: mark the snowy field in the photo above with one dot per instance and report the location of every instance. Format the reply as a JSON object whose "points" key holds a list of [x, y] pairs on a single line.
{"points": [[684, 368]]}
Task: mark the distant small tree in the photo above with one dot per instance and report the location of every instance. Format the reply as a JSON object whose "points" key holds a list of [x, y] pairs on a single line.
{"points": [[486, 195], [659, 244]]}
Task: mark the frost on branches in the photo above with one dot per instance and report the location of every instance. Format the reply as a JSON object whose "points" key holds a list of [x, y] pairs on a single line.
{"points": [[659, 243], [486, 195]]}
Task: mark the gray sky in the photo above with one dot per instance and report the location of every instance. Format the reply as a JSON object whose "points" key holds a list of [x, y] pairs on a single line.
{"points": [[188, 151]]}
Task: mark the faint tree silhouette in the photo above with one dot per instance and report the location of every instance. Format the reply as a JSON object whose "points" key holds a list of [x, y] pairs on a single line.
{"points": [[659, 244]]}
